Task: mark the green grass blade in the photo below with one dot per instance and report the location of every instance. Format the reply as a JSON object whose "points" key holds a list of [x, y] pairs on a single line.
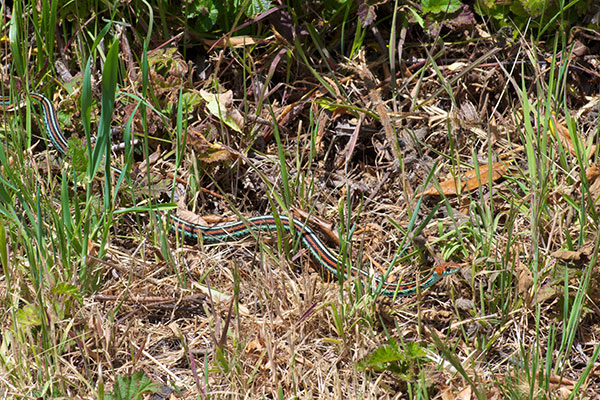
{"points": [[15, 40]]}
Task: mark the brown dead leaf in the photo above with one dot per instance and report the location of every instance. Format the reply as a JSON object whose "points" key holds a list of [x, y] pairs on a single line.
{"points": [[255, 346], [592, 173], [447, 393], [457, 66], [561, 380], [465, 394], [236, 41], [564, 393], [182, 212], [575, 256], [563, 386], [324, 226], [142, 168], [206, 151], [524, 279], [470, 180]]}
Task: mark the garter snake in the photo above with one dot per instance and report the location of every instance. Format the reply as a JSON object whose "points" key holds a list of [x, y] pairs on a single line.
{"points": [[267, 223]]}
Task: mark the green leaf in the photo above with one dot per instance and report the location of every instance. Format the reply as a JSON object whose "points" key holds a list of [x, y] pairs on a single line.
{"points": [[257, 7], [416, 16], [190, 101], [132, 387], [385, 354], [414, 351], [69, 290], [207, 13], [393, 358], [78, 155], [28, 316], [440, 6], [109, 85], [222, 360], [534, 8], [15, 40]]}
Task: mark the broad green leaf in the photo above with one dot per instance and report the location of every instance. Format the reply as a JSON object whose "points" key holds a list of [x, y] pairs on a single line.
{"points": [[393, 358], [257, 7], [440, 6], [28, 316], [69, 290], [534, 8], [132, 387], [206, 13]]}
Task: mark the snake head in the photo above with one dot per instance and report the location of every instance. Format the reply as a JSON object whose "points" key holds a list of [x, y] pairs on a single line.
{"points": [[448, 268]]}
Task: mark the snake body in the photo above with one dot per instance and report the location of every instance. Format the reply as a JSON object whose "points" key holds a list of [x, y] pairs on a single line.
{"points": [[264, 223]]}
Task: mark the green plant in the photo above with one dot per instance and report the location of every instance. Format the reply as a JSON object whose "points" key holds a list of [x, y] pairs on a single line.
{"points": [[543, 15], [403, 361], [132, 387], [206, 14]]}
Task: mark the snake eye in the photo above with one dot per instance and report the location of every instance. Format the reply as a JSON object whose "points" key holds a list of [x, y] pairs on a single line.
{"points": [[447, 268], [452, 268]]}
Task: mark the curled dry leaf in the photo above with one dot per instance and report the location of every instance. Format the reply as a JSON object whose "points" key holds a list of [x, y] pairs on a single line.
{"points": [[470, 180], [575, 256], [465, 394], [236, 42], [592, 173], [184, 213], [524, 278], [206, 151], [255, 346], [457, 66]]}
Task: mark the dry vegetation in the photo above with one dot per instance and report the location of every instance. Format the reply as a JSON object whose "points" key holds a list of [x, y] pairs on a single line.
{"points": [[366, 160]]}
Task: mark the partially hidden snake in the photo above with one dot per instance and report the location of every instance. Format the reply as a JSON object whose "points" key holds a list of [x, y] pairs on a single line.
{"points": [[268, 223]]}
